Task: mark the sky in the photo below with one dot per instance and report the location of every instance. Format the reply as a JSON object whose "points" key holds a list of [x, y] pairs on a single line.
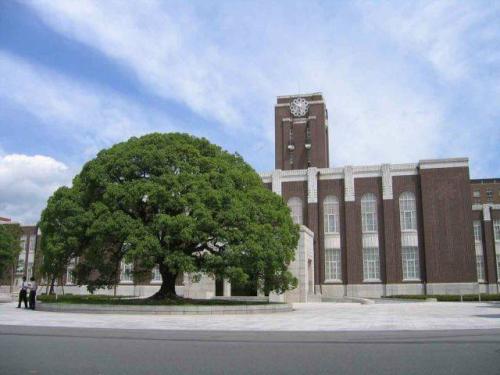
{"points": [[403, 81]]}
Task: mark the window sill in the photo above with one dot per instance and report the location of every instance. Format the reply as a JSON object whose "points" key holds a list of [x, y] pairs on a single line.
{"points": [[155, 282], [122, 282], [412, 280], [333, 281], [372, 281]]}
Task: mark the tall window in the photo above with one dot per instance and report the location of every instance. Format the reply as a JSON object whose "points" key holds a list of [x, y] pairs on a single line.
{"points": [[20, 265], [32, 243], [156, 275], [24, 238], [126, 272], [295, 205], [369, 213], [478, 244], [409, 236], [69, 274], [496, 231], [371, 261], [331, 214], [411, 265], [29, 273], [333, 269], [371, 264], [408, 211], [480, 267]]}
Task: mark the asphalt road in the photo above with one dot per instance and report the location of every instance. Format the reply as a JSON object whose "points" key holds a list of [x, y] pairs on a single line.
{"points": [[41, 350]]}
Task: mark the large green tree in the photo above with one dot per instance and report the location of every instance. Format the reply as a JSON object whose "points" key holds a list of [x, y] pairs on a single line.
{"points": [[10, 235], [183, 204], [63, 225]]}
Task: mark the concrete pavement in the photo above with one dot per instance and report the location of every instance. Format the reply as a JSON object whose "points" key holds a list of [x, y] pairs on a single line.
{"points": [[306, 317]]}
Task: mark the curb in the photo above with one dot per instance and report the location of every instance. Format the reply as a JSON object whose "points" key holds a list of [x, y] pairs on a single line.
{"points": [[164, 310]]}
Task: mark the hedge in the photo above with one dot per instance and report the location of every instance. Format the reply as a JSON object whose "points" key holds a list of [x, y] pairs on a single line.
{"points": [[450, 297]]}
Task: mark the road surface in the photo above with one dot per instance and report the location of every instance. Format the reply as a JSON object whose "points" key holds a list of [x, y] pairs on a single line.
{"points": [[58, 350]]}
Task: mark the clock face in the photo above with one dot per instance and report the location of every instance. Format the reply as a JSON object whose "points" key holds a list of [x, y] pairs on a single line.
{"points": [[299, 107]]}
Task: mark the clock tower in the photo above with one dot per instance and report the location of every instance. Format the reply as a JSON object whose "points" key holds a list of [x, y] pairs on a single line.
{"points": [[301, 132]]}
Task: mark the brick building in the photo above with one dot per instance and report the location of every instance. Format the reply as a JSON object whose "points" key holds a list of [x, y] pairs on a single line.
{"points": [[369, 231], [385, 229], [29, 242]]}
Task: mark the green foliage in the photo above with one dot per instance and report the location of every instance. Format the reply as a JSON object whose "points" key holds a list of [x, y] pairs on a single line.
{"points": [[125, 300], [63, 225], [175, 201], [10, 247]]}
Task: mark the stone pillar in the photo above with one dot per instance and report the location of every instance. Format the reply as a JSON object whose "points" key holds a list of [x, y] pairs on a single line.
{"points": [[312, 221], [392, 261], [227, 288], [352, 233], [276, 181], [489, 249]]}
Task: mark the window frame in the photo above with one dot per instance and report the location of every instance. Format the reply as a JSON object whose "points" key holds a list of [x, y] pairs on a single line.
{"points": [[415, 274], [375, 263], [408, 210], [480, 269], [124, 267], [369, 213], [335, 262], [293, 205], [156, 271], [331, 214]]}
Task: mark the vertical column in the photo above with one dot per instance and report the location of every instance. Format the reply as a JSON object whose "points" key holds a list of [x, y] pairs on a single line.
{"points": [[312, 220], [226, 288], [392, 260], [489, 248], [276, 181], [352, 237]]}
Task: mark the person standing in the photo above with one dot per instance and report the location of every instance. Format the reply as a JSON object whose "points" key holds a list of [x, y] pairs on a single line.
{"points": [[33, 287], [22, 294]]}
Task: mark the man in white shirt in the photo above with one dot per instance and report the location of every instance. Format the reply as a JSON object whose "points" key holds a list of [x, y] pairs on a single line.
{"points": [[22, 294], [33, 287]]}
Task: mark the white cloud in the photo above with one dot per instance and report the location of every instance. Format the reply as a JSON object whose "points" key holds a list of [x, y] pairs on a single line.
{"points": [[165, 49], [228, 61], [89, 116], [232, 65], [451, 35], [26, 182]]}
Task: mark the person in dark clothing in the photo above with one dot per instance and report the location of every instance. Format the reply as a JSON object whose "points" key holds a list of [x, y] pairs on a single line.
{"points": [[33, 287], [22, 294]]}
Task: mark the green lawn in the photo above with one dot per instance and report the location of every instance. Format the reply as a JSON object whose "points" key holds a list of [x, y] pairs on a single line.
{"points": [[451, 298], [127, 300]]}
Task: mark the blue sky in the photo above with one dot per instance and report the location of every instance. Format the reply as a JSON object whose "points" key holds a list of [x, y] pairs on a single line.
{"points": [[403, 81]]}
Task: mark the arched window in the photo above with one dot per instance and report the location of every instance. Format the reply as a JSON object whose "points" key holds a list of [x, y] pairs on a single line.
{"points": [[295, 205], [369, 213], [331, 214], [408, 211]]}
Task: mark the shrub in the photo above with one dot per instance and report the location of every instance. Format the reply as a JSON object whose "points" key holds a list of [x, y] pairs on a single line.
{"points": [[450, 297]]}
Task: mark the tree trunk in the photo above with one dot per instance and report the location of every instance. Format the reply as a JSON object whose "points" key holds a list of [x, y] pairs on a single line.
{"points": [[167, 289], [52, 281], [12, 279]]}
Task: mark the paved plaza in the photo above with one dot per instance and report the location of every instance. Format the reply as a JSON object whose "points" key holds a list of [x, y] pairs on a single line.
{"points": [[306, 317]]}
